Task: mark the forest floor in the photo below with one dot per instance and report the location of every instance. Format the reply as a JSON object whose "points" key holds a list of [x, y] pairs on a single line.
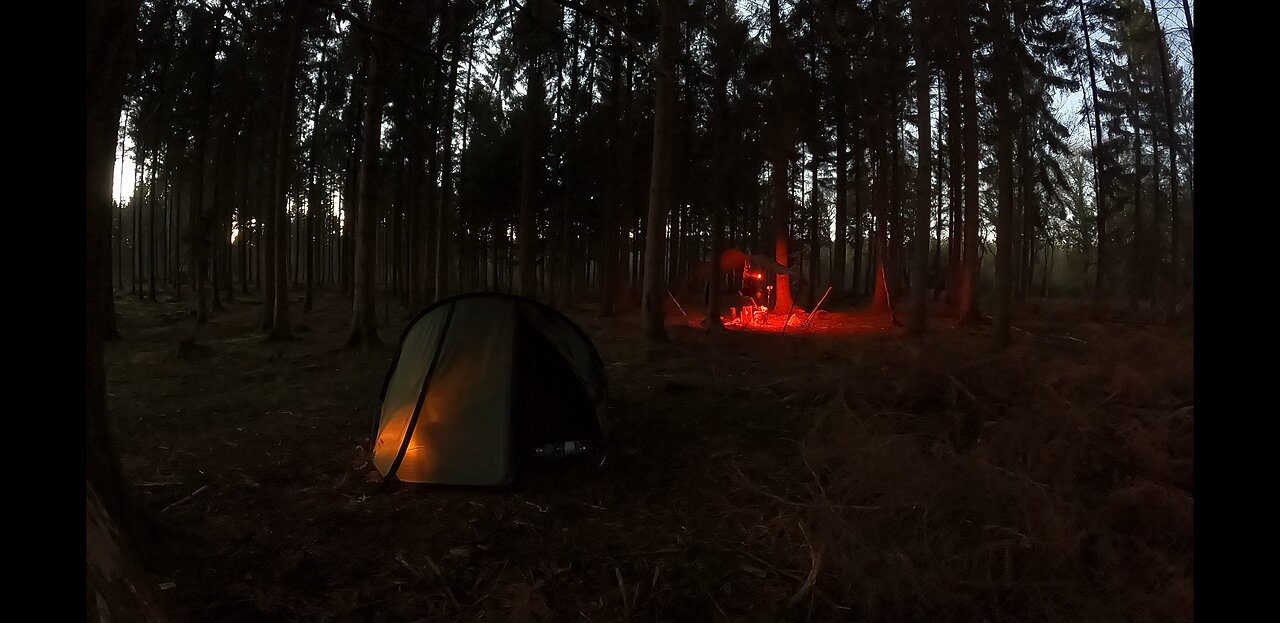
{"points": [[844, 472]]}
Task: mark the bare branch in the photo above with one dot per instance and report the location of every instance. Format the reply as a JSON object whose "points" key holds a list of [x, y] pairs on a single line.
{"points": [[607, 20], [371, 30]]}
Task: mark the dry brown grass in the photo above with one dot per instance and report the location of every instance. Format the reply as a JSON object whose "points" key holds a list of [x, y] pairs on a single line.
{"points": [[942, 483]]}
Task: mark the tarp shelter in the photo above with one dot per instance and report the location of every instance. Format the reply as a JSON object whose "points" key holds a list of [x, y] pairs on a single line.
{"points": [[480, 380], [735, 259]]}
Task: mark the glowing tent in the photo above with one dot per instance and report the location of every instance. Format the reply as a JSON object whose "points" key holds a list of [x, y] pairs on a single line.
{"points": [[481, 379]]}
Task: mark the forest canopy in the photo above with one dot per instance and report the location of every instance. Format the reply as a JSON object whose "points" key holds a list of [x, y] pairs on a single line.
{"points": [[602, 150]]}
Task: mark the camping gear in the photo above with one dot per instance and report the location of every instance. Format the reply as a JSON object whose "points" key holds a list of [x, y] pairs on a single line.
{"points": [[560, 449], [481, 379]]}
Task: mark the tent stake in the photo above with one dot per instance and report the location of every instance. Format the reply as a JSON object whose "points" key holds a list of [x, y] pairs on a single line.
{"points": [[790, 311]]}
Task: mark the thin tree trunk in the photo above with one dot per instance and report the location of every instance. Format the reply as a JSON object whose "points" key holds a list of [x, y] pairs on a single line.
{"points": [[176, 202], [859, 216], [351, 185], [1191, 31], [653, 295], [288, 72], [967, 300], [135, 203], [917, 320], [118, 208], [151, 236], [842, 180], [530, 171], [1005, 118], [116, 588], [317, 191], [1174, 278], [719, 164], [1139, 239], [1102, 210], [364, 327], [815, 237], [444, 215], [780, 154]]}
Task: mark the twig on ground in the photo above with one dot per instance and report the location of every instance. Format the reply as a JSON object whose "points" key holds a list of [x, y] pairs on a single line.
{"points": [[448, 591], [186, 499], [622, 588], [815, 559], [784, 573]]}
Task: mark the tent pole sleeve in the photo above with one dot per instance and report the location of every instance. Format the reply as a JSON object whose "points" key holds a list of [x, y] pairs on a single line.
{"points": [[422, 395]]}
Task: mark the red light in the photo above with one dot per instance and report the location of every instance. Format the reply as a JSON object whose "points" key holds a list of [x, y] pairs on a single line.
{"points": [[759, 275]]}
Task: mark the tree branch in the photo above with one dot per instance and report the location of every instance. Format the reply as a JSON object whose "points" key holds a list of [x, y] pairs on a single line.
{"points": [[372, 30], [608, 20]]}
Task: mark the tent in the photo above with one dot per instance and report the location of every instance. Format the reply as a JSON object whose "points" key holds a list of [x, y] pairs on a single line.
{"points": [[481, 379]]}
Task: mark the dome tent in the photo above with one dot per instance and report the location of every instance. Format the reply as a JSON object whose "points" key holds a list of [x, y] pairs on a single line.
{"points": [[482, 378]]}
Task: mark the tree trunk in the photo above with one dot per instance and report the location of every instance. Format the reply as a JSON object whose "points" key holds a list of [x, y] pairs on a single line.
{"points": [[530, 174], [841, 216], [895, 264], [151, 236], [266, 244], [314, 199], [283, 158], [115, 589], [1191, 31], [881, 297], [653, 296], [615, 192], [1101, 211], [815, 236], [351, 183], [118, 209], [780, 154], [859, 216], [1024, 216], [720, 154], [134, 207], [1174, 278], [364, 322], [917, 320], [967, 299], [1005, 118], [444, 214]]}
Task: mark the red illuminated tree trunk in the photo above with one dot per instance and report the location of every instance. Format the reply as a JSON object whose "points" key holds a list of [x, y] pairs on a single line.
{"points": [[780, 159]]}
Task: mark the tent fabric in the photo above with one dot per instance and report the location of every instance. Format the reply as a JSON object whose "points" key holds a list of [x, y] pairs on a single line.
{"points": [[479, 379], [734, 259]]}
